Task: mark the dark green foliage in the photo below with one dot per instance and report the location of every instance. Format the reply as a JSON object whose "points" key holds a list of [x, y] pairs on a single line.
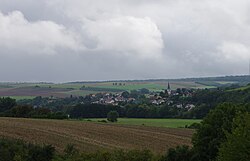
{"points": [[125, 94], [57, 115], [119, 155], [194, 126], [237, 146], [27, 111], [180, 153], [144, 91], [22, 111], [213, 129], [200, 111], [70, 151], [44, 153], [6, 104], [112, 116], [103, 121], [93, 111], [13, 150]]}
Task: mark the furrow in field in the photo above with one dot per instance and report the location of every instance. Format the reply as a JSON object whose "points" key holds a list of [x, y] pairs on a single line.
{"points": [[90, 137]]}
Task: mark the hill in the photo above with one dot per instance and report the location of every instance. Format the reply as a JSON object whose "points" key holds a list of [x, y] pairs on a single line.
{"points": [[62, 90]]}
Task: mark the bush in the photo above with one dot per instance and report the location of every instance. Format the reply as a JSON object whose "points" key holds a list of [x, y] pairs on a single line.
{"points": [[194, 126], [180, 153], [13, 150], [112, 116], [103, 121]]}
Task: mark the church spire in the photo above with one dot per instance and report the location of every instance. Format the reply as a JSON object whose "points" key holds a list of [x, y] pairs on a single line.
{"points": [[169, 86]]}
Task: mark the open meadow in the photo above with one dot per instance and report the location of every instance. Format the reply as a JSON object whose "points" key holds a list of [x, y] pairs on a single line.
{"points": [[168, 123], [91, 136], [31, 90]]}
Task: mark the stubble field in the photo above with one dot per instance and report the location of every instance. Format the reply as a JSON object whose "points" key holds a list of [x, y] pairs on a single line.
{"points": [[90, 137]]}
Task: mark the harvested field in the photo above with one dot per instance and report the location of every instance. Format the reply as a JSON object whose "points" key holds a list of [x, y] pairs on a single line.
{"points": [[89, 137], [32, 91]]}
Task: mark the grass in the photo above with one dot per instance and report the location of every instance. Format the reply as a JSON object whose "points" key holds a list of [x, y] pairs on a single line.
{"points": [[169, 123], [80, 92], [21, 97], [132, 86], [225, 82], [240, 89], [74, 88]]}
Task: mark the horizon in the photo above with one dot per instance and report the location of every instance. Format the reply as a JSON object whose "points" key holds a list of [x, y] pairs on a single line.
{"points": [[126, 80]]}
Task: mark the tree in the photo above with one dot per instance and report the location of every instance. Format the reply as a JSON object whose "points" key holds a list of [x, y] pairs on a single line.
{"points": [[144, 91], [112, 116], [6, 103], [22, 111], [237, 146], [44, 153], [213, 129], [125, 94], [180, 153]]}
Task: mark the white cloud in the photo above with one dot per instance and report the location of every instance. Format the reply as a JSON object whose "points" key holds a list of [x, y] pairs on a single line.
{"points": [[126, 35], [234, 51], [39, 37]]}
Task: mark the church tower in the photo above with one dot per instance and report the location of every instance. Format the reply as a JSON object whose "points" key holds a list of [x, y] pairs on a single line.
{"points": [[168, 91]]}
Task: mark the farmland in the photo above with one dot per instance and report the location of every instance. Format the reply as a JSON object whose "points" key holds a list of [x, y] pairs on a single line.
{"points": [[168, 123], [90, 137], [61, 90]]}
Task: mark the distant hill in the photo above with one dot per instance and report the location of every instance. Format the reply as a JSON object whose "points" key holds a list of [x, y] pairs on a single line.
{"points": [[238, 78]]}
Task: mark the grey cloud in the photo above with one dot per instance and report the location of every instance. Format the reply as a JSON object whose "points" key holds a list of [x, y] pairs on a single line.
{"points": [[65, 40]]}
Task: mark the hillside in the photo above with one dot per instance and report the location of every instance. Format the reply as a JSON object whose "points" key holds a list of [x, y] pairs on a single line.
{"points": [[62, 90]]}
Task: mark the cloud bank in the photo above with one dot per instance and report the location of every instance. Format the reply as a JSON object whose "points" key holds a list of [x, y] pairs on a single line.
{"points": [[64, 40]]}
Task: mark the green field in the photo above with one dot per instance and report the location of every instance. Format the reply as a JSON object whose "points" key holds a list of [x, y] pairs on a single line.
{"points": [[241, 88], [62, 90], [22, 97], [170, 123]]}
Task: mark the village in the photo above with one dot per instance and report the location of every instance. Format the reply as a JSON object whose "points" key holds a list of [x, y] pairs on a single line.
{"points": [[168, 96]]}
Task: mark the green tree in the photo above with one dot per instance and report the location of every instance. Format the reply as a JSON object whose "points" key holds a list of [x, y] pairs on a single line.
{"points": [[44, 153], [125, 94], [180, 153], [6, 103], [112, 116], [22, 111], [213, 129], [237, 146]]}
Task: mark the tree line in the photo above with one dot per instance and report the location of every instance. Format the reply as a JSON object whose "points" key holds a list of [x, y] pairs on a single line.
{"points": [[9, 108]]}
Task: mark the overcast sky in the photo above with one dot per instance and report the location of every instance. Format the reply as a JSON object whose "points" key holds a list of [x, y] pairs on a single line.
{"points": [[74, 40]]}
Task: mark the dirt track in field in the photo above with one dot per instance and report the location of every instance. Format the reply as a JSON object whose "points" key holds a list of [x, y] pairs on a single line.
{"points": [[89, 137]]}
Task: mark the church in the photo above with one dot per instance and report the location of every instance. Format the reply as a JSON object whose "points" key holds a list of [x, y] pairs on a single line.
{"points": [[168, 90]]}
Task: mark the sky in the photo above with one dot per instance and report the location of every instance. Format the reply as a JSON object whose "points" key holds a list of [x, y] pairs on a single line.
{"points": [[82, 40]]}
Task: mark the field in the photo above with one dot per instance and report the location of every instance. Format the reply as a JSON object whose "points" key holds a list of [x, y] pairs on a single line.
{"points": [[30, 90], [169, 123], [90, 137]]}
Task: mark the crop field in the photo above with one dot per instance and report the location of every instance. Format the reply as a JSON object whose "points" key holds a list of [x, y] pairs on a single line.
{"points": [[22, 97], [33, 91], [169, 123], [29, 90], [90, 137]]}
